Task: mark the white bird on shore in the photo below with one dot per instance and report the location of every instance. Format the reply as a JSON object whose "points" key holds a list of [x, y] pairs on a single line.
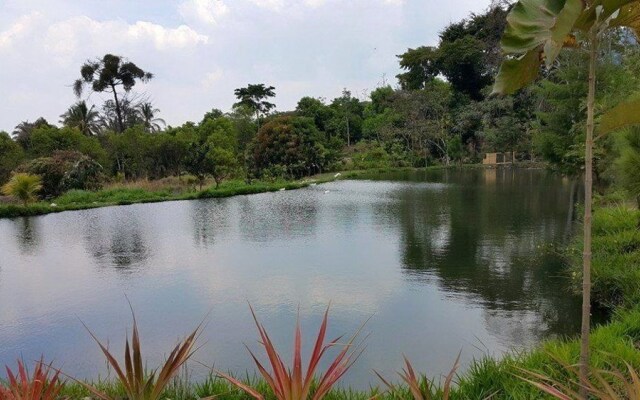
{"points": [[337, 175]]}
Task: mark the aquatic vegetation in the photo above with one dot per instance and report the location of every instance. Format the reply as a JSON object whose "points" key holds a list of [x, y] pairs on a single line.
{"points": [[295, 384], [39, 386]]}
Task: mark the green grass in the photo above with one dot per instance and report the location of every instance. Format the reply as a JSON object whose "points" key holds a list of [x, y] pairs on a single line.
{"points": [[616, 257]]}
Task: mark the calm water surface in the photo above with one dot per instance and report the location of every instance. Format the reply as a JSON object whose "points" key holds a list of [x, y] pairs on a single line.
{"points": [[441, 261]]}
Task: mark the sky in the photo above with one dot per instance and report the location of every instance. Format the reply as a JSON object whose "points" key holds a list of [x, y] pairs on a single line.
{"points": [[201, 50]]}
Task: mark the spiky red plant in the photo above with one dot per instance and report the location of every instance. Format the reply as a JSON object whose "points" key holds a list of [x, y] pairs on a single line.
{"points": [[138, 383], [420, 387], [38, 386], [294, 383]]}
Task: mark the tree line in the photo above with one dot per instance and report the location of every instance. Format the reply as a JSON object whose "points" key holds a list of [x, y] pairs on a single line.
{"points": [[440, 112]]}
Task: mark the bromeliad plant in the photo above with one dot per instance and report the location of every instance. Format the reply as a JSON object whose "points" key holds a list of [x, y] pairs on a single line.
{"points": [[295, 384], [536, 33], [39, 386], [137, 383], [420, 387]]}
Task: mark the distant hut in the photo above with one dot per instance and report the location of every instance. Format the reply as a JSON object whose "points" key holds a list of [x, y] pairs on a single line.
{"points": [[499, 158]]}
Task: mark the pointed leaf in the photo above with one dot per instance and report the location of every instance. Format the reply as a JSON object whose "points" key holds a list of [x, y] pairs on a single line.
{"points": [[621, 116], [516, 73]]}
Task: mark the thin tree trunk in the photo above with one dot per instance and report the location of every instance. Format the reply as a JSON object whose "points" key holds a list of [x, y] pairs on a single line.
{"points": [[588, 191], [118, 111]]}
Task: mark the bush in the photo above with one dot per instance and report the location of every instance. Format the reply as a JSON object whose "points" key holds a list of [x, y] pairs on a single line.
{"points": [[370, 156], [64, 170], [24, 187]]}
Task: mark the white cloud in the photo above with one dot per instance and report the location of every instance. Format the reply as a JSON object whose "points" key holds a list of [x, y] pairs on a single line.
{"points": [[65, 38], [280, 5], [163, 38], [212, 77], [19, 28], [207, 11], [275, 5], [314, 3]]}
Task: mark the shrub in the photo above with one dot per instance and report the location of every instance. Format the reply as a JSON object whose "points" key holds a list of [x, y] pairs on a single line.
{"points": [[64, 170], [24, 187], [37, 387]]}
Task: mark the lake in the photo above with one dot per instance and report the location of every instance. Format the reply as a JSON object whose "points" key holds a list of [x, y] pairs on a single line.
{"points": [[441, 261]]}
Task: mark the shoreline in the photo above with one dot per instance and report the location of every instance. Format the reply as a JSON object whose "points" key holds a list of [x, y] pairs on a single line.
{"points": [[127, 196]]}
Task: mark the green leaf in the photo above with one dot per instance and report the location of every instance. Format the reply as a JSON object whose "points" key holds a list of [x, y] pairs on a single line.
{"points": [[516, 73], [536, 30], [535, 23], [615, 12], [629, 16], [621, 116]]}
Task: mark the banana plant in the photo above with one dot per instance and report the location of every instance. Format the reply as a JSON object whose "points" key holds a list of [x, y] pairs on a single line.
{"points": [[536, 33]]}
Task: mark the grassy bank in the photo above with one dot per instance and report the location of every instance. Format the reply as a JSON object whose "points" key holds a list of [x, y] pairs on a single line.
{"points": [[616, 257], [138, 193], [174, 189]]}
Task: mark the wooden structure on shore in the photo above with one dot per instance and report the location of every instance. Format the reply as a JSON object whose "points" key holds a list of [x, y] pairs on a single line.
{"points": [[499, 158]]}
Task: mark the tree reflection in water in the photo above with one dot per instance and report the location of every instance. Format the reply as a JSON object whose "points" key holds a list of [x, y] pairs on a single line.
{"points": [[487, 238]]}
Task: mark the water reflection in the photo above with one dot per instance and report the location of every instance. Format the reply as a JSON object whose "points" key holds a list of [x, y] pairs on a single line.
{"points": [[210, 218], [484, 239], [116, 242], [280, 217], [27, 234]]}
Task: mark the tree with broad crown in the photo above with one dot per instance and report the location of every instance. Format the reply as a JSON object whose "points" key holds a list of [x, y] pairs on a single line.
{"points": [[254, 96], [106, 74], [536, 33]]}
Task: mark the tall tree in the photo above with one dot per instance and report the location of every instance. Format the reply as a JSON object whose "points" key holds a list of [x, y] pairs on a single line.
{"points": [[147, 115], [106, 75], [537, 31], [83, 118], [22, 132], [347, 118], [255, 97]]}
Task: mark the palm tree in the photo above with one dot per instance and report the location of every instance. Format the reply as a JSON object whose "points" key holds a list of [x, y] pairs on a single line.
{"points": [[22, 132], [83, 118], [147, 114]]}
